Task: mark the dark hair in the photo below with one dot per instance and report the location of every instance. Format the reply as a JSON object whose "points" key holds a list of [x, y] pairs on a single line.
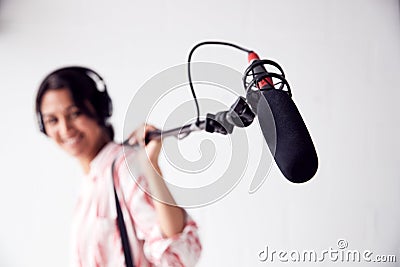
{"points": [[83, 84]]}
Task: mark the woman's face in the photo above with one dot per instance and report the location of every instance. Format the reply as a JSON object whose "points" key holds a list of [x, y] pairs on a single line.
{"points": [[76, 133]]}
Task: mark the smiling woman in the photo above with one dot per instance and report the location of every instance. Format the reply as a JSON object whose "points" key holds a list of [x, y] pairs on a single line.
{"points": [[124, 226], [73, 112]]}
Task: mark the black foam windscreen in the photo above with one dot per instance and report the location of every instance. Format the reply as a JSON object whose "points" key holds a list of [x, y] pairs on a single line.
{"points": [[290, 143]]}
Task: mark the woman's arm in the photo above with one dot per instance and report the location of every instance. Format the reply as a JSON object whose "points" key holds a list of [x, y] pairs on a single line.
{"points": [[170, 216]]}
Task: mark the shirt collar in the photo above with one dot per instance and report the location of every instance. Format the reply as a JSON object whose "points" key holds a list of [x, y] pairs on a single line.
{"points": [[98, 163]]}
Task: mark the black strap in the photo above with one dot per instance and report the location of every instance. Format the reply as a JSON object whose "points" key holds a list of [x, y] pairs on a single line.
{"points": [[121, 225]]}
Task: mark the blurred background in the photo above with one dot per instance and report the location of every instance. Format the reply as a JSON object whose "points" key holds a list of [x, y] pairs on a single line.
{"points": [[342, 59]]}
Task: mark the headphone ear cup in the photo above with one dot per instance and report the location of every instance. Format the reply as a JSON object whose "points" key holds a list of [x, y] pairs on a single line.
{"points": [[103, 97], [107, 104], [110, 106], [40, 123]]}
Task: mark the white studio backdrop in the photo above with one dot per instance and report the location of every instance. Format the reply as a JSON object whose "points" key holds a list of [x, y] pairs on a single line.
{"points": [[342, 59]]}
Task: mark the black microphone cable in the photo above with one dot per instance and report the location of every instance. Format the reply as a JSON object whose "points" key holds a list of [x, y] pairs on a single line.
{"points": [[189, 73], [249, 72]]}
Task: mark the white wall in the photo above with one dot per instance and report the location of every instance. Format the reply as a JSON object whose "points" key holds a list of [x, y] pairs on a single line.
{"points": [[341, 57]]}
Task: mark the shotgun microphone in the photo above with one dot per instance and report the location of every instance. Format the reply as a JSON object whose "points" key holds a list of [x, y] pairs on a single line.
{"points": [[281, 123]]}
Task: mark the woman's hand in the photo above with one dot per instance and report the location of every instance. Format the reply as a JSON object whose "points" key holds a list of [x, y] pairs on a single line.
{"points": [[153, 147]]}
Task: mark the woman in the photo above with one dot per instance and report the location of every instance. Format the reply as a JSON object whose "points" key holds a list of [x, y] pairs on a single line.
{"points": [[73, 111]]}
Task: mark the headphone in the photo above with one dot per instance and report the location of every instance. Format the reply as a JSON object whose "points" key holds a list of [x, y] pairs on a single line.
{"points": [[104, 102]]}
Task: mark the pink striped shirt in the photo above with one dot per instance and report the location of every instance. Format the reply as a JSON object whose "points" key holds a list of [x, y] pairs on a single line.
{"points": [[96, 240]]}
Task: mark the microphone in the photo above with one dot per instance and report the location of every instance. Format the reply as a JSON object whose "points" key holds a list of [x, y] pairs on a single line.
{"points": [[290, 143], [281, 123]]}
